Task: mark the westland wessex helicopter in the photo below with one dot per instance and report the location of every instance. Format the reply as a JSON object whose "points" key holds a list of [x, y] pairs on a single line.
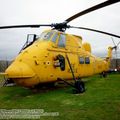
{"points": [[56, 55]]}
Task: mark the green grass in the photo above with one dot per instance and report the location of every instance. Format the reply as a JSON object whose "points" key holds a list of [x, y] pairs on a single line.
{"points": [[100, 101], [1, 80]]}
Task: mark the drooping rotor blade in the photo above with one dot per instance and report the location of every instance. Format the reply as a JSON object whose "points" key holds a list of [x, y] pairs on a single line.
{"points": [[98, 31], [25, 26], [96, 7]]}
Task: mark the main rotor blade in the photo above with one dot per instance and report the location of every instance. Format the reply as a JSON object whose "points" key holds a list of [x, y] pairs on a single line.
{"points": [[98, 31], [96, 7], [25, 26]]}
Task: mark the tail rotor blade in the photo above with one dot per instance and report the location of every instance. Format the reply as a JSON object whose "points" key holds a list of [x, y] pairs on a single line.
{"points": [[118, 43], [113, 41]]}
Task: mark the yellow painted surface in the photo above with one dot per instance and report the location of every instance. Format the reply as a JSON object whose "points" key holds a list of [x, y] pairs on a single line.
{"points": [[87, 47], [35, 64]]}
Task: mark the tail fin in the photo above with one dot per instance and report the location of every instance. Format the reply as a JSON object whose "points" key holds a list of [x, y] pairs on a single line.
{"points": [[109, 56]]}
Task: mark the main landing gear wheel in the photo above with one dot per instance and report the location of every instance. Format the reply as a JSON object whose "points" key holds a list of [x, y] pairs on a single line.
{"points": [[79, 87]]}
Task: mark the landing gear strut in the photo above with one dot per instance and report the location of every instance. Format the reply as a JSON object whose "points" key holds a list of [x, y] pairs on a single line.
{"points": [[78, 85]]}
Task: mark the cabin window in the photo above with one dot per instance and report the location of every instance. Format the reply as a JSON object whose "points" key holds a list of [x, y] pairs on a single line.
{"points": [[81, 60], [31, 38], [46, 35], [87, 60], [62, 41], [54, 37]]}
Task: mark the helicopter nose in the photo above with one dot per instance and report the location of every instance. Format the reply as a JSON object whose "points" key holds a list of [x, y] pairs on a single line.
{"points": [[19, 70]]}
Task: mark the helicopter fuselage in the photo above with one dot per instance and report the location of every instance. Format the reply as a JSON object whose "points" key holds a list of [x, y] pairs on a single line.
{"points": [[45, 60]]}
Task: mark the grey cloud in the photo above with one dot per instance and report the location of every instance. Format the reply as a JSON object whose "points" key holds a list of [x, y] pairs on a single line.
{"points": [[49, 11]]}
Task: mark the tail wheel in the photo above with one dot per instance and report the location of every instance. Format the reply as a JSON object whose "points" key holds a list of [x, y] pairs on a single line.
{"points": [[104, 74]]}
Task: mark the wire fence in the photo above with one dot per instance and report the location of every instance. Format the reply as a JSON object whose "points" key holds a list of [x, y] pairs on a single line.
{"points": [[4, 65], [115, 63]]}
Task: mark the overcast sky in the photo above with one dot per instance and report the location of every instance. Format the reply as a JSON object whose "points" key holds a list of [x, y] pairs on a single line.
{"points": [[17, 12]]}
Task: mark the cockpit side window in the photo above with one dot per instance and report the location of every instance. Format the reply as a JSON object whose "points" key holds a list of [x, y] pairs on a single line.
{"points": [[54, 38], [46, 35], [62, 41]]}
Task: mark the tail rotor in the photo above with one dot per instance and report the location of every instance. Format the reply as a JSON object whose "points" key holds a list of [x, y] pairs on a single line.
{"points": [[116, 52]]}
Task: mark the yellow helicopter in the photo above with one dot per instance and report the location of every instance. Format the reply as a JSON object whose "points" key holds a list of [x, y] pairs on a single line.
{"points": [[56, 55]]}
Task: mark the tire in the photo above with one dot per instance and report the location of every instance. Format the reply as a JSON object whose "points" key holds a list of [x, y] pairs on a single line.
{"points": [[80, 86]]}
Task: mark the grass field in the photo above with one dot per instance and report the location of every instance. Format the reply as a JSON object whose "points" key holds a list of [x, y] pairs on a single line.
{"points": [[1, 80], [100, 101]]}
